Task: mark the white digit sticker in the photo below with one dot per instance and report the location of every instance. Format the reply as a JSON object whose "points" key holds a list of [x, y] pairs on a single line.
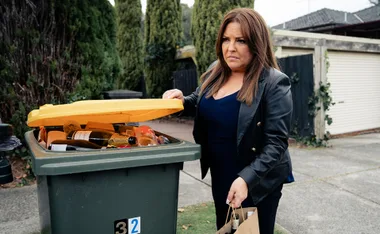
{"points": [[134, 225]]}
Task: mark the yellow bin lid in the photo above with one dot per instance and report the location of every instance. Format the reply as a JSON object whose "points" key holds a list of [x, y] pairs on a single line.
{"points": [[104, 111]]}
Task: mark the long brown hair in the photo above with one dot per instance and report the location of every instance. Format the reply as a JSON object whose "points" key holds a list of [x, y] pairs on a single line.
{"points": [[257, 36]]}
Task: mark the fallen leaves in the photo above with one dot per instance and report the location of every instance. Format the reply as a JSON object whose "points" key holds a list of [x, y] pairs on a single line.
{"points": [[199, 218], [185, 227], [20, 174]]}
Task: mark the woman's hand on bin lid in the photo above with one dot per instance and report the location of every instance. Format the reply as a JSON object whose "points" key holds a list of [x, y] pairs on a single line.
{"points": [[173, 94], [238, 193]]}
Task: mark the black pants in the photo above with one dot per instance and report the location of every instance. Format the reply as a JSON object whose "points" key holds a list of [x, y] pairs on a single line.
{"points": [[267, 210]]}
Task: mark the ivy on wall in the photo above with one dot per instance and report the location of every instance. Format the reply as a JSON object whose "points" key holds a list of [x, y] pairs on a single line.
{"points": [[320, 99]]}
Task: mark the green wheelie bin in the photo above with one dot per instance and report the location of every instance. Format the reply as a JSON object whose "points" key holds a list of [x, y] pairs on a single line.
{"points": [[119, 191]]}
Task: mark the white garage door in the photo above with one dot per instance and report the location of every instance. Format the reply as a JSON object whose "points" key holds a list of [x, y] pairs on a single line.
{"points": [[355, 89]]}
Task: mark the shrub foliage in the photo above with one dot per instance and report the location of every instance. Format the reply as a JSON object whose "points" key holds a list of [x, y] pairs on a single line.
{"points": [[54, 52], [130, 43], [163, 25]]}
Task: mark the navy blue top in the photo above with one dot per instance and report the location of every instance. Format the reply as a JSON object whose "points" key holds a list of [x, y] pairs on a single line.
{"points": [[220, 117]]}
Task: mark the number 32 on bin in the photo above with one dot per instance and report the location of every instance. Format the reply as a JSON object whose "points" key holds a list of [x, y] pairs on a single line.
{"points": [[128, 226]]}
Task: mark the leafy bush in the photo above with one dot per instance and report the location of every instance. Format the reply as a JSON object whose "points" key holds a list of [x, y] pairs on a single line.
{"points": [[130, 44], [162, 35], [54, 52]]}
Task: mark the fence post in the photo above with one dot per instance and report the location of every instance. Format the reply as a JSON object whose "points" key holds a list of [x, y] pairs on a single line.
{"points": [[319, 76]]}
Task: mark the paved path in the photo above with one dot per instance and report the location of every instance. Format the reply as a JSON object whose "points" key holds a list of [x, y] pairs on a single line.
{"points": [[337, 189]]}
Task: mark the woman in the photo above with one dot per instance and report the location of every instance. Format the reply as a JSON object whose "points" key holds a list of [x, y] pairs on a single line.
{"points": [[242, 121]]}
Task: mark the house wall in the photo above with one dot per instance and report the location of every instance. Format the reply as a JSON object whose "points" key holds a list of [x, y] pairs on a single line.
{"points": [[282, 52], [295, 39], [291, 43]]}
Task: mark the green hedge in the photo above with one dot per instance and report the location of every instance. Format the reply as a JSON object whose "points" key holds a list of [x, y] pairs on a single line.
{"points": [[54, 52]]}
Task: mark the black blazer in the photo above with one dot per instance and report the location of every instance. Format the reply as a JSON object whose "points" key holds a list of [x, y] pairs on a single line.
{"points": [[262, 134]]}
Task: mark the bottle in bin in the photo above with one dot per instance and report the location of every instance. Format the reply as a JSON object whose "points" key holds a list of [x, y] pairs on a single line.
{"points": [[162, 140], [141, 136], [145, 136], [99, 137], [102, 138], [127, 130], [70, 145]]}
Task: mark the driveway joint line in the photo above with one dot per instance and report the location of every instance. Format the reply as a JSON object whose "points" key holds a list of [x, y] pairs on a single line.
{"points": [[196, 178]]}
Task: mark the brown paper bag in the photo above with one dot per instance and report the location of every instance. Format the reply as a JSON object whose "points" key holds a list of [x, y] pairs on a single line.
{"points": [[248, 225]]}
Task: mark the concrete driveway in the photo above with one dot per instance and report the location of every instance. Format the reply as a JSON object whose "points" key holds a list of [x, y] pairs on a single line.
{"points": [[336, 190]]}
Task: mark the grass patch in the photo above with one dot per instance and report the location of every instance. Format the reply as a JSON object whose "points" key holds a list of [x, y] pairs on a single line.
{"points": [[197, 219], [200, 219]]}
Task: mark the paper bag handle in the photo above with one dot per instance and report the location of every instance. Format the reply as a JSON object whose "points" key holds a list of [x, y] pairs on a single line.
{"points": [[233, 211]]}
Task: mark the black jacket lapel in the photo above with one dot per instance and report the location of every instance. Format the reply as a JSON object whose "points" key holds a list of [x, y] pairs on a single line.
{"points": [[246, 112]]}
